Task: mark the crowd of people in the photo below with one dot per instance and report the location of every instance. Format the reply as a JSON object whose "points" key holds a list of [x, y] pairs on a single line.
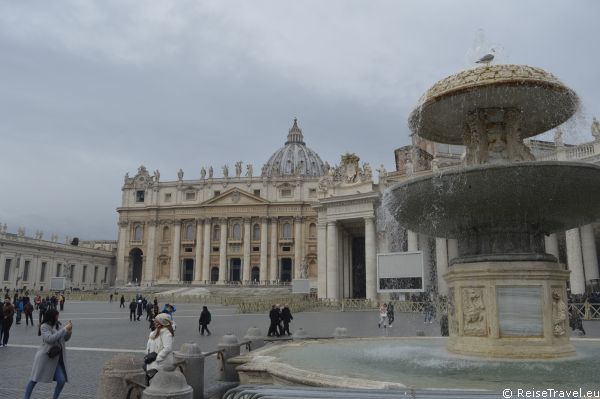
{"points": [[281, 317]]}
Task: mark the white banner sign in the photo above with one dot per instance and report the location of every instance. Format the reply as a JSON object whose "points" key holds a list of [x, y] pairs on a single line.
{"points": [[400, 272]]}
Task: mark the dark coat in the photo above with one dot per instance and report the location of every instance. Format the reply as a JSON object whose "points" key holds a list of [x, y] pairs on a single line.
{"points": [[274, 315], [133, 306], [205, 317], [286, 315]]}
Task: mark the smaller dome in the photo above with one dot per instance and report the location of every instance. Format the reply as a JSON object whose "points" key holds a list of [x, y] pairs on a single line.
{"points": [[294, 158]]}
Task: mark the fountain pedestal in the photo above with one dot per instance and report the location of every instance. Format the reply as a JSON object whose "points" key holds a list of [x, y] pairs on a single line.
{"points": [[508, 310]]}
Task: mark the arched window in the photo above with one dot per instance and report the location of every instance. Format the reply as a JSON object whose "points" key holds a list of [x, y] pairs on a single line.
{"points": [[312, 230], [236, 232], [166, 234], [216, 233], [189, 232], [137, 233], [287, 231], [256, 232]]}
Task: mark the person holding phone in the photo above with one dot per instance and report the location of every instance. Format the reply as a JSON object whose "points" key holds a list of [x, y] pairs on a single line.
{"points": [[50, 361]]}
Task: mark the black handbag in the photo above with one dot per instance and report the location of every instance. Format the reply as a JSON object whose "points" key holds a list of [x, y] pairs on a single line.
{"points": [[54, 351], [150, 357]]}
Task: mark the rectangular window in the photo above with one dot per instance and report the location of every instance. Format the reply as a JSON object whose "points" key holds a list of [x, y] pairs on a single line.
{"points": [[58, 270], [215, 249], [255, 249], [312, 193], [217, 193], [286, 249], [139, 196], [257, 193], [286, 193], [168, 197], [72, 272], [83, 275], [105, 275], [187, 249], [190, 196], [95, 274], [43, 271], [7, 264], [26, 270]]}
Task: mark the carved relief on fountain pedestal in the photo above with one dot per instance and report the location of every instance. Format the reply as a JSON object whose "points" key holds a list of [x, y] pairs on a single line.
{"points": [[473, 310], [452, 321], [559, 312]]}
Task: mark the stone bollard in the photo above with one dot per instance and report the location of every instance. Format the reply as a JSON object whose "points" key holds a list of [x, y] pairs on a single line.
{"points": [[168, 383], [340, 332], [299, 334], [112, 384], [231, 347], [256, 337], [193, 369]]}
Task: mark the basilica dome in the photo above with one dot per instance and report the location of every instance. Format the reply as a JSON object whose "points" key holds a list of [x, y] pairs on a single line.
{"points": [[294, 158]]}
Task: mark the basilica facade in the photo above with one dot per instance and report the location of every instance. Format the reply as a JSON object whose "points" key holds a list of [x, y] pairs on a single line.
{"points": [[300, 218]]}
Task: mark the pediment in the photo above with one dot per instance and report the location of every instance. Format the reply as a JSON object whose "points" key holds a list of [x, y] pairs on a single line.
{"points": [[236, 196]]}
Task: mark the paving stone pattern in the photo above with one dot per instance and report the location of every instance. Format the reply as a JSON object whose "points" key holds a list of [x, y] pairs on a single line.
{"points": [[100, 325]]}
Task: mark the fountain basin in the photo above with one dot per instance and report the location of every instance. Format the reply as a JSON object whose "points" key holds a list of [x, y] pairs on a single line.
{"points": [[500, 209], [442, 112], [418, 363]]}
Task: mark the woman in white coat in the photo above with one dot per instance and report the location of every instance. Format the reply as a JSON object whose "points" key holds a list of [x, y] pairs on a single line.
{"points": [[46, 368], [161, 341]]}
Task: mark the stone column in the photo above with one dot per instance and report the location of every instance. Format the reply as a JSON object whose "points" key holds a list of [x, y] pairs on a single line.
{"points": [[206, 253], [575, 261], [263, 249], [274, 245], [122, 256], [441, 260], [413, 241], [298, 244], [149, 272], [424, 246], [333, 267], [370, 259], [322, 260], [452, 249], [175, 261], [588, 250], [551, 245], [198, 258], [223, 278], [247, 238]]}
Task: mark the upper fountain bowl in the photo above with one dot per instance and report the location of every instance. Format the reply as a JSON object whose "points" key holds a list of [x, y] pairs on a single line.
{"points": [[543, 99]]}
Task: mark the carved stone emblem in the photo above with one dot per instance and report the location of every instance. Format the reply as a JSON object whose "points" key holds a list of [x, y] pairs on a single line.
{"points": [[559, 313], [235, 197], [473, 307]]}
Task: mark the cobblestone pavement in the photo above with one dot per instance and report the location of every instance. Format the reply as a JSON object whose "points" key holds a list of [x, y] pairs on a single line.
{"points": [[100, 330]]}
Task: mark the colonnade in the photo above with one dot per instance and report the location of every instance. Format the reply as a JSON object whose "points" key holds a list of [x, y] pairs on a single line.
{"points": [[334, 260], [265, 255], [581, 253]]}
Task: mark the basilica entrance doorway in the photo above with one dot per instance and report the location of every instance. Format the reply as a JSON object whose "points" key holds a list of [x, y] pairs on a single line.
{"points": [[255, 274], [235, 269], [286, 270], [188, 270], [134, 274]]}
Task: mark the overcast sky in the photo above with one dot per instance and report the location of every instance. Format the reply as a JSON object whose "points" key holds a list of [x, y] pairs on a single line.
{"points": [[90, 90]]}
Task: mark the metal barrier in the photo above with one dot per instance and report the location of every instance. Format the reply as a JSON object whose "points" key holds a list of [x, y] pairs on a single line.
{"points": [[586, 310]]}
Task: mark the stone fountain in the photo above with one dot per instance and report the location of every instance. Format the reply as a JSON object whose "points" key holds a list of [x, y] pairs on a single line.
{"points": [[507, 296]]}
